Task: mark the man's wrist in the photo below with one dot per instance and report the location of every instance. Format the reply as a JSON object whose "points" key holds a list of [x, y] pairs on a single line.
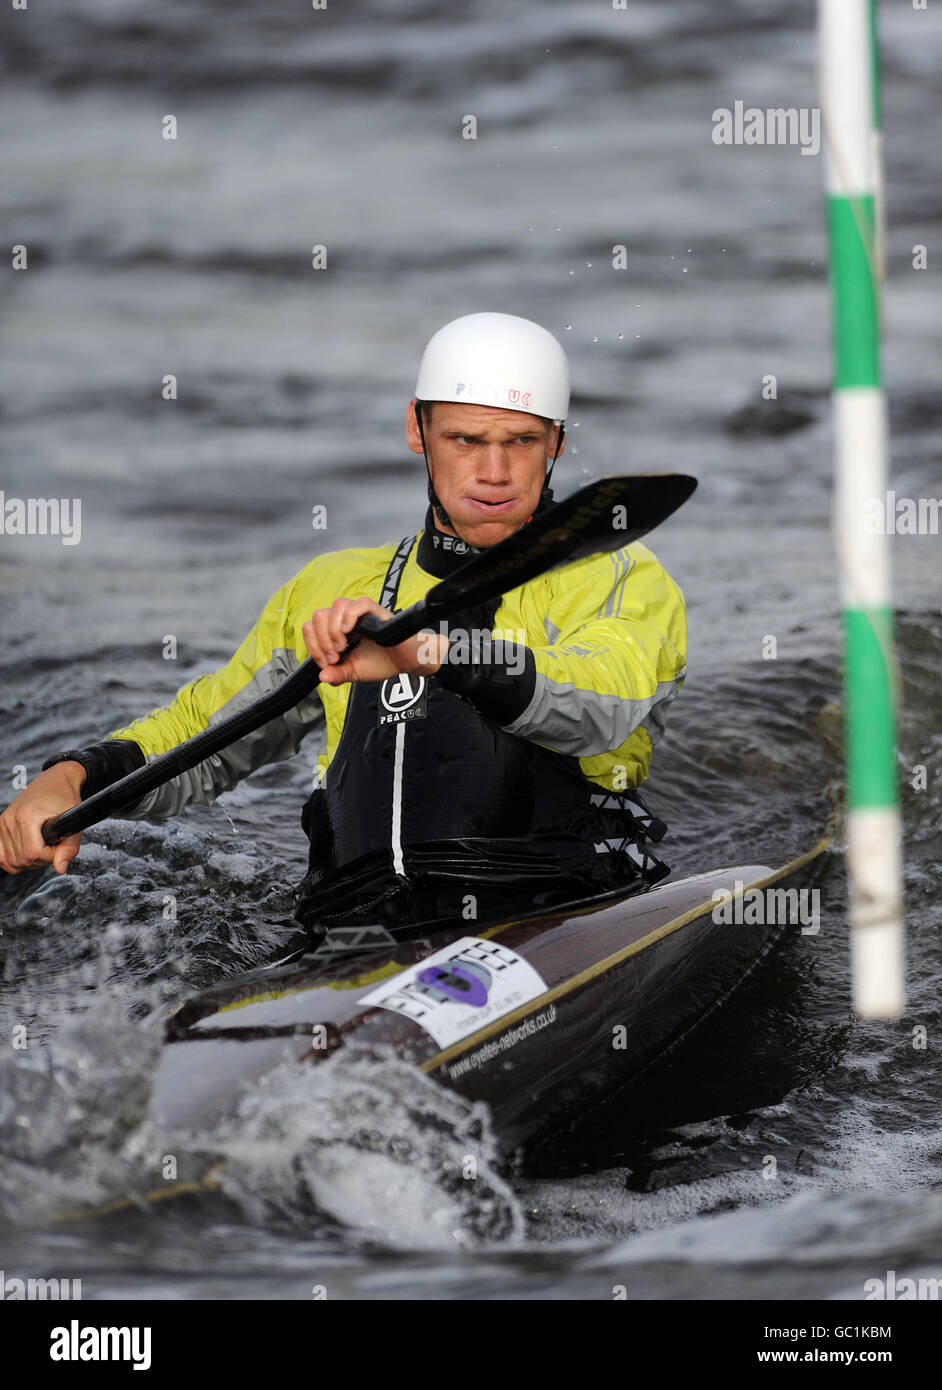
{"points": [[71, 763]]}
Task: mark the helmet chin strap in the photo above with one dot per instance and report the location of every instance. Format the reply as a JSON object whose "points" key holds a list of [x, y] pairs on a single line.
{"points": [[443, 517], [546, 495]]}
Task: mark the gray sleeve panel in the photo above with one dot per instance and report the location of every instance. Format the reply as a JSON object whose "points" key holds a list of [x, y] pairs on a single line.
{"points": [[272, 743], [656, 722], [584, 723]]}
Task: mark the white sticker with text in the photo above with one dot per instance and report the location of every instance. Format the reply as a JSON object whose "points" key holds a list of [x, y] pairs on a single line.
{"points": [[460, 989]]}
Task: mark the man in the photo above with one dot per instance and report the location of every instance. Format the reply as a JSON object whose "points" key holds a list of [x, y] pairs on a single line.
{"points": [[467, 772]]}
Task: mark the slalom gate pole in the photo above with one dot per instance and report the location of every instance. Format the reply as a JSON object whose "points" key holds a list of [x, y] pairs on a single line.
{"points": [[849, 95]]}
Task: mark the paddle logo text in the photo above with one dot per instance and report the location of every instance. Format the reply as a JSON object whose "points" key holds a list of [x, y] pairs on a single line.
{"points": [[42, 516], [768, 907], [773, 125]]}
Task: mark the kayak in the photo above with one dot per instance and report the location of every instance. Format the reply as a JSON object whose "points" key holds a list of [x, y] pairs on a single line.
{"points": [[540, 1016]]}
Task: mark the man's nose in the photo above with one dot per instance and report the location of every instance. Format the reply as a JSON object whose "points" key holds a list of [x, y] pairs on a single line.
{"points": [[492, 463]]}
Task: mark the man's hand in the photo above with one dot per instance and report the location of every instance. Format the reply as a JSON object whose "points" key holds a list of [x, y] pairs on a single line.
{"points": [[325, 637], [21, 841]]}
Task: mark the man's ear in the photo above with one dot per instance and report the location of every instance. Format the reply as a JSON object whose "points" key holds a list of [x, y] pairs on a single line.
{"points": [[413, 438]]}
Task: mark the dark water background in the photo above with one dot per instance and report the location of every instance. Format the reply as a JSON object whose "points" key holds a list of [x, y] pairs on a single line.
{"points": [[342, 127]]}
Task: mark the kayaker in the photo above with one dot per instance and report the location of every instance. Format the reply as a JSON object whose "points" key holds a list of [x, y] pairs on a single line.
{"points": [[487, 767]]}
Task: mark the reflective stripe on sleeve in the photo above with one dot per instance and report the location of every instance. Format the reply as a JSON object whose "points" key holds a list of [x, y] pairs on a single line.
{"points": [[584, 723]]}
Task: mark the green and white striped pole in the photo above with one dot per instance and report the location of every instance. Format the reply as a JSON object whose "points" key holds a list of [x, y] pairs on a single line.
{"points": [[850, 107]]}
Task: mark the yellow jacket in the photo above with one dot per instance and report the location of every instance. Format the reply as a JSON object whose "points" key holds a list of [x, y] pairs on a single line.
{"points": [[607, 633]]}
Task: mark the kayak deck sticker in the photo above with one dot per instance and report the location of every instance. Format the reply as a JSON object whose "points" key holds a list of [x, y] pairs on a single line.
{"points": [[459, 989]]}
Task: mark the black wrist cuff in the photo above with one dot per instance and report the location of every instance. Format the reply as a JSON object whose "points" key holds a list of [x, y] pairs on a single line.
{"points": [[104, 763], [493, 687]]}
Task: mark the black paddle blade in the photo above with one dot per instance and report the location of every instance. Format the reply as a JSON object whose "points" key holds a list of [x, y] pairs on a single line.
{"points": [[604, 516]]}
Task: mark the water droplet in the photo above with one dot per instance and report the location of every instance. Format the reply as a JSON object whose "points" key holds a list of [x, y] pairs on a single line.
{"points": [[568, 326], [572, 272], [685, 270], [588, 265], [594, 338], [575, 424], [621, 335]]}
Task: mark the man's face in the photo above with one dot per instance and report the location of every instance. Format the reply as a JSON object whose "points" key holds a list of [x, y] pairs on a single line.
{"points": [[487, 466]]}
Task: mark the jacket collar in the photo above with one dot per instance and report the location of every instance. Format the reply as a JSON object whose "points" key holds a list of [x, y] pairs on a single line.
{"points": [[440, 554]]}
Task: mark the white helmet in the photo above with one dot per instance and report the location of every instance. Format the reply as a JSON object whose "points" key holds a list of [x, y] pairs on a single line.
{"points": [[498, 360]]}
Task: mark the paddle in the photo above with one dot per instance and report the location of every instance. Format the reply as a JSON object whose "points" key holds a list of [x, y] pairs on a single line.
{"points": [[603, 516]]}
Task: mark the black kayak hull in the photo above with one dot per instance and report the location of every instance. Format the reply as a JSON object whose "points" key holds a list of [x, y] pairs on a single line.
{"points": [[540, 1017]]}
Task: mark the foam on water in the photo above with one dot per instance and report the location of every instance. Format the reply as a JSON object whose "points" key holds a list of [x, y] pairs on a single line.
{"points": [[374, 1145], [864, 1190], [69, 1111], [360, 1141]]}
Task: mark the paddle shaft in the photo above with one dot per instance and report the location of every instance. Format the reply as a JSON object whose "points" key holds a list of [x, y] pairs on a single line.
{"points": [[131, 789]]}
